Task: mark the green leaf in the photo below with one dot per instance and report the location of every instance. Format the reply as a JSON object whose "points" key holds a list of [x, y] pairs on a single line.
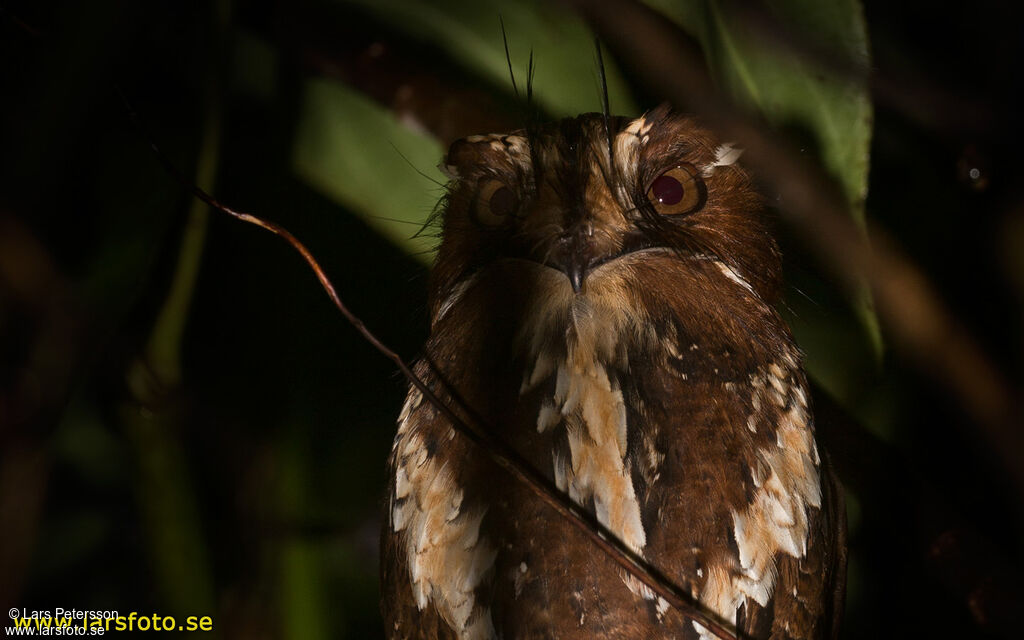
{"points": [[566, 79], [351, 149], [790, 90], [301, 583], [793, 92]]}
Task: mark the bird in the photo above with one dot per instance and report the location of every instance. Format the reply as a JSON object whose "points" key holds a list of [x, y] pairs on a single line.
{"points": [[604, 300]]}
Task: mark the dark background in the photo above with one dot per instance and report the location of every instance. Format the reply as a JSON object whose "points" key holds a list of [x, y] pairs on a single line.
{"points": [[247, 486]]}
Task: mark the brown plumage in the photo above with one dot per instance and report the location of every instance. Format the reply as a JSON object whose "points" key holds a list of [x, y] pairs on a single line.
{"points": [[606, 307]]}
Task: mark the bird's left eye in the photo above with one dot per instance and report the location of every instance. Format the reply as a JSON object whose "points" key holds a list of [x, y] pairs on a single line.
{"points": [[495, 203], [678, 191]]}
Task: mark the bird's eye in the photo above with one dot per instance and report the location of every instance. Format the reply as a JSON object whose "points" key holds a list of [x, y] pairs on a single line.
{"points": [[678, 191], [496, 203]]}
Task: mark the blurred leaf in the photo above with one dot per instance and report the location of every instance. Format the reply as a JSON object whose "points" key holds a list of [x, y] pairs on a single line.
{"points": [[87, 445], [351, 149], [68, 539], [301, 583], [792, 92], [254, 66], [170, 510], [566, 80]]}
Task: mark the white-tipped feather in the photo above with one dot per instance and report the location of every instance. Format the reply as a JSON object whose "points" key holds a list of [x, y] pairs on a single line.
{"points": [[725, 155], [776, 519], [448, 559]]}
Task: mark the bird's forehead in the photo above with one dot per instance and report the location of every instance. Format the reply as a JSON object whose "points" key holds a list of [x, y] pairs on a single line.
{"points": [[545, 148], [585, 145]]}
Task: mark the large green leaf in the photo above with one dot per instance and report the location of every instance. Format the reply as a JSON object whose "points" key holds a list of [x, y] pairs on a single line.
{"points": [[566, 79], [794, 92], [363, 157], [790, 90]]}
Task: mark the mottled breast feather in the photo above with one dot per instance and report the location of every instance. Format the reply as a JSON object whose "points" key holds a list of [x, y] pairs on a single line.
{"points": [[604, 303]]}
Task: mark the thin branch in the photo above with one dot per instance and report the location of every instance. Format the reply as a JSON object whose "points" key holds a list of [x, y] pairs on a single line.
{"points": [[21, 24]]}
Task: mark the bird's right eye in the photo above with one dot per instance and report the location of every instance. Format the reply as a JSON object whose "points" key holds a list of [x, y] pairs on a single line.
{"points": [[677, 191], [496, 203]]}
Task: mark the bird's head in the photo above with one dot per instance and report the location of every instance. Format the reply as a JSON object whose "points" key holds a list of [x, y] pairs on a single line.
{"points": [[585, 200]]}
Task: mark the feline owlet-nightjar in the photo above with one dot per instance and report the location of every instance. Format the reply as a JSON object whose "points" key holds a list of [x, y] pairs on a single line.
{"points": [[603, 301]]}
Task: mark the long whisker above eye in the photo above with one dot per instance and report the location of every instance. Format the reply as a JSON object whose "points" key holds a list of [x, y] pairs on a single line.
{"points": [[605, 110], [508, 57], [418, 223], [417, 169]]}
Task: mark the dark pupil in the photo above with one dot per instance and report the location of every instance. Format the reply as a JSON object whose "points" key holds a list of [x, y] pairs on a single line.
{"points": [[503, 202], [667, 190]]}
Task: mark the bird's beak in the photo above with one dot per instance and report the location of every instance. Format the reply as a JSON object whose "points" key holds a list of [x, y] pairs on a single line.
{"points": [[575, 254]]}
